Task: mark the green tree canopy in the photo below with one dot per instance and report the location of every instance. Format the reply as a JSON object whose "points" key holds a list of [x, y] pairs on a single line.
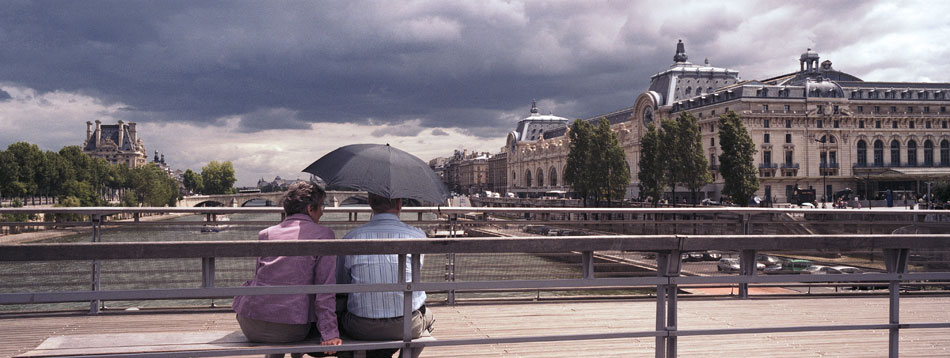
{"points": [[192, 181], [596, 165], [577, 171], [652, 171], [736, 161], [691, 160], [218, 178]]}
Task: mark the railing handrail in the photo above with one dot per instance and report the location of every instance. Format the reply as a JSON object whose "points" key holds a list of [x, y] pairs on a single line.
{"points": [[464, 210], [655, 243]]}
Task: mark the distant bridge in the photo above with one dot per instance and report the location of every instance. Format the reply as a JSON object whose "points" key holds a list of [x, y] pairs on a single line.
{"points": [[334, 199]]}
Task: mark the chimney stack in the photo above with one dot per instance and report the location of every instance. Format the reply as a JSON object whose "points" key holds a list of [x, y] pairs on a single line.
{"points": [[98, 133], [132, 137], [121, 134], [88, 130]]}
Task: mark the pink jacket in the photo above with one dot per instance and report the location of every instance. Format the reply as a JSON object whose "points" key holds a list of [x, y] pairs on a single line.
{"points": [[293, 270]]}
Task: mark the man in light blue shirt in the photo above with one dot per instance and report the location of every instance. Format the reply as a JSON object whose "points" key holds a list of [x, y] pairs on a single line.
{"points": [[379, 315]]}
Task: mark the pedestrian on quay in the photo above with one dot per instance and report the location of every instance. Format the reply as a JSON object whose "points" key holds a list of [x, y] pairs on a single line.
{"points": [[291, 318]]}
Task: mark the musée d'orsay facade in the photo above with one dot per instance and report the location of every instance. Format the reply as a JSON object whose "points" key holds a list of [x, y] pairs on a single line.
{"points": [[815, 128]]}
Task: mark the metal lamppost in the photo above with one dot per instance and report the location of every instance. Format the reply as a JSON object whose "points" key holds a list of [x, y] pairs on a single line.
{"points": [[824, 177]]}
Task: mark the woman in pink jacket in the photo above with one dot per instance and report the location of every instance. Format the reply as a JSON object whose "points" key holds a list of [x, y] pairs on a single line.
{"points": [[289, 318]]}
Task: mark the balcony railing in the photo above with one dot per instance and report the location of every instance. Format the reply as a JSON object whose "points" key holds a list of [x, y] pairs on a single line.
{"points": [[829, 166], [768, 165], [790, 165]]}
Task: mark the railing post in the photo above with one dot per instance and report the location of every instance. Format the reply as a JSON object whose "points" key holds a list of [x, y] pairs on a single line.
{"points": [[747, 267], [587, 264], [450, 265], [896, 262], [96, 266], [207, 274], [667, 265]]}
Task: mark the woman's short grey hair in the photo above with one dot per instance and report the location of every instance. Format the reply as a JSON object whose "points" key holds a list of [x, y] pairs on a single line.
{"points": [[301, 195]]}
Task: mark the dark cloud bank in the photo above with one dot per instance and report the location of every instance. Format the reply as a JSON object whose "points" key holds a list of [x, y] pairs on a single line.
{"points": [[290, 64]]}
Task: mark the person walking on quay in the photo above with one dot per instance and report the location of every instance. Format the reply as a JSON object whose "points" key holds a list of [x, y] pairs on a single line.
{"points": [[290, 318], [379, 315]]}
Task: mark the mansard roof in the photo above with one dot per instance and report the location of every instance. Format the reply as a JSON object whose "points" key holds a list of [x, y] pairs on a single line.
{"points": [[111, 132]]}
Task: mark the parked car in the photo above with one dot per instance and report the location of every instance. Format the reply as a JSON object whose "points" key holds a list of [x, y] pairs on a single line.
{"points": [[711, 256], [692, 256], [767, 260], [728, 264], [788, 267], [816, 270]]}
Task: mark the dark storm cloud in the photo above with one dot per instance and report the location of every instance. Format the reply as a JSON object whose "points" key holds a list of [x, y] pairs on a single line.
{"points": [[466, 65], [439, 132], [4, 95]]}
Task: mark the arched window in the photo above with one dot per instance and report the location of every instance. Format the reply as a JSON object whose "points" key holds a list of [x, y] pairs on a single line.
{"points": [[553, 176], [862, 153], [928, 153], [527, 178], [895, 153], [878, 153], [689, 90], [912, 153], [944, 153], [540, 177], [514, 178]]}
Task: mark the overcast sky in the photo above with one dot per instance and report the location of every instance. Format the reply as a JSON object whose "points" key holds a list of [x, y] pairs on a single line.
{"points": [[271, 86]]}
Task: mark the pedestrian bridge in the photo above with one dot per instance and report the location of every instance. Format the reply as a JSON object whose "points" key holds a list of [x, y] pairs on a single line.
{"points": [[335, 198]]}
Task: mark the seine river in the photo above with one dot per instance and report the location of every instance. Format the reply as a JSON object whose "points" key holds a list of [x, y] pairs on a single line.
{"points": [[230, 272]]}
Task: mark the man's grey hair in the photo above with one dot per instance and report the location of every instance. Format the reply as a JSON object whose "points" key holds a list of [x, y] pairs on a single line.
{"points": [[301, 195]]}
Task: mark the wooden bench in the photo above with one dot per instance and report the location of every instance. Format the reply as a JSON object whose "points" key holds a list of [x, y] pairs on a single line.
{"points": [[189, 344]]}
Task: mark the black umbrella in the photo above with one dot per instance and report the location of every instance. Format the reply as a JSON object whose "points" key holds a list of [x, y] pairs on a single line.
{"points": [[381, 170]]}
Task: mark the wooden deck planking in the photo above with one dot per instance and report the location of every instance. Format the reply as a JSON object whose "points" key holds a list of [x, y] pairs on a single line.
{"points": [[23, 333]]}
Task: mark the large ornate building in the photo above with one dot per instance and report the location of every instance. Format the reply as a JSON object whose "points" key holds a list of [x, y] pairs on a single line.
{"points": [[117, 144], [816, 127]]}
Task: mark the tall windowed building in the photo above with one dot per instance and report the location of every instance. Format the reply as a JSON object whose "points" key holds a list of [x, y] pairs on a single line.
{"points": [[831, 123]]}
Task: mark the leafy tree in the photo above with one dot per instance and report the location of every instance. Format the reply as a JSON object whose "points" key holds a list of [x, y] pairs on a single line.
{"points": [[28, 157], [610, 163], [692, 163], [82, 191], [596, 166], [218, 178], [578, 172], [192, 181], [9, 172], [78, 162], [669, 144], [737, 167], [152, 187], [652, 171]]}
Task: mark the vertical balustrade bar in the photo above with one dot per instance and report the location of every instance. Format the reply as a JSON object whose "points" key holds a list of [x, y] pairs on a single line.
{"points": [[96, 266], [896, 262], [587, 263], [744, 229], [747, 267], [207, 274], [406, 301], [453, 220]]}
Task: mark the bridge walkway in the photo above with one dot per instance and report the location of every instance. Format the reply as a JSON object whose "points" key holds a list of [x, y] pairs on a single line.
{"points": [[21, 332]]}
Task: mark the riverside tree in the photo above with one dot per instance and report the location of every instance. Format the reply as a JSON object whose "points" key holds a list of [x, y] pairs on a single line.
{"points": [[218, 178], [192, 181], [736, 160], [596, 167], [652, 171], [692, 163]]}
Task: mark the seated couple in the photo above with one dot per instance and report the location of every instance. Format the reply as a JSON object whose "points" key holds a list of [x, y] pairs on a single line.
{"points": [[367, 315]]}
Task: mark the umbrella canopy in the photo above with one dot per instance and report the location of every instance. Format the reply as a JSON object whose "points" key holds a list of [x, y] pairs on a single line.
{"points": [[381, 170]]}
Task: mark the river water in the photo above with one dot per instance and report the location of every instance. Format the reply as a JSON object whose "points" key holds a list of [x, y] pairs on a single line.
{"points": [[230, 272]]}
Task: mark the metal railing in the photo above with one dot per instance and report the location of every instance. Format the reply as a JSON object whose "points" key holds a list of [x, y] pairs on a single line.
{"points": [[667, 249]]}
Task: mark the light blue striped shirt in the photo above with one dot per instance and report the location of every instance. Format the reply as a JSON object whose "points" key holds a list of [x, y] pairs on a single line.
{"points": [[365, 269]]}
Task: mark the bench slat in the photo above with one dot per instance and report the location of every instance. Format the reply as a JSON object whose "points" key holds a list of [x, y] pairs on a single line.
{"points": [[168, 342]]}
